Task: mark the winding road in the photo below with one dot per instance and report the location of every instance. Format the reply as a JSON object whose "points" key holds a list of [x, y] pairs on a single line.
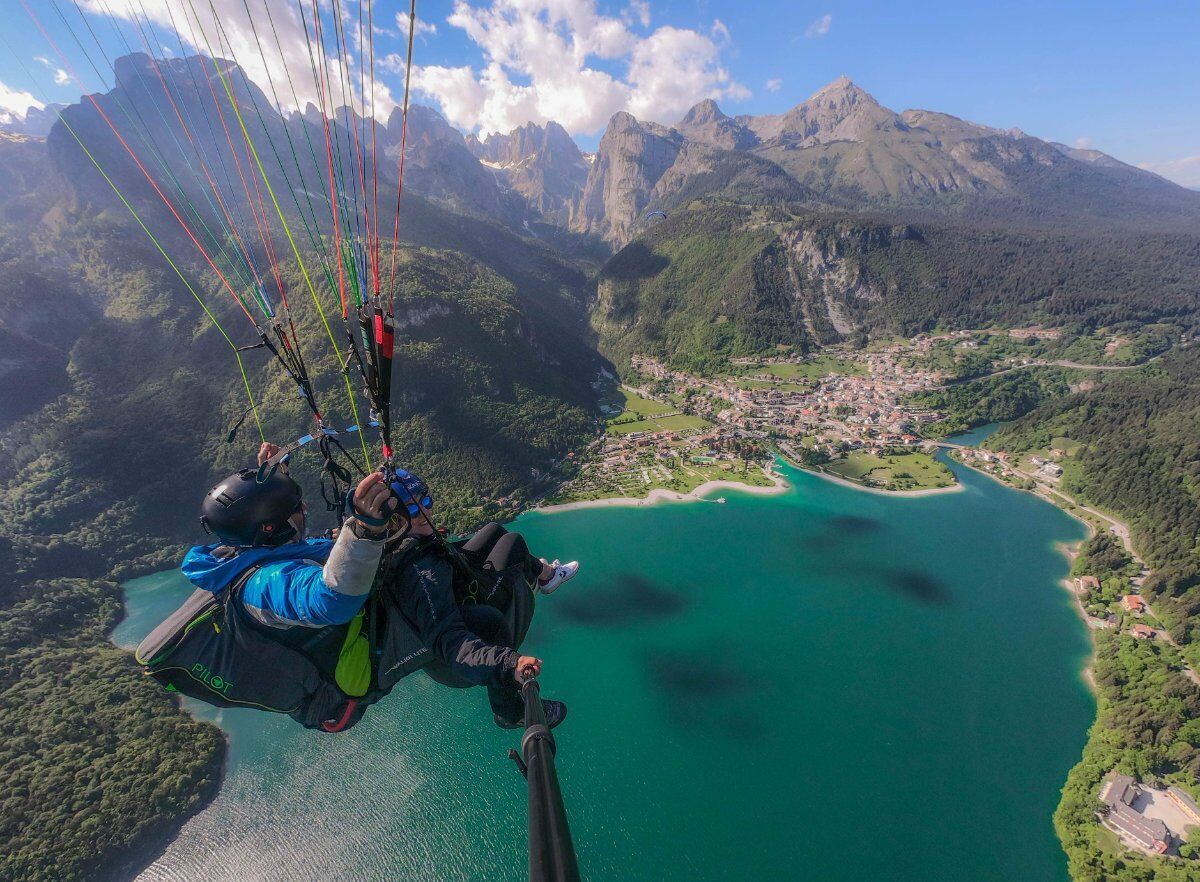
{"points": [[1063, 363]]}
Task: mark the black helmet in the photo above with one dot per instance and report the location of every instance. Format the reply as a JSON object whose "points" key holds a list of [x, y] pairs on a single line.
{"points": [[245, 512]]}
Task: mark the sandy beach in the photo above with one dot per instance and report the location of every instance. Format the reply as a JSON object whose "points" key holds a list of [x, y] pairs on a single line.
{"points": [[894, 494], [659, 495]]}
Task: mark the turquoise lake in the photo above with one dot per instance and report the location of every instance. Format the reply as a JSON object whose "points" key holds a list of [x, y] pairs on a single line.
{"points": [[827, 684]]}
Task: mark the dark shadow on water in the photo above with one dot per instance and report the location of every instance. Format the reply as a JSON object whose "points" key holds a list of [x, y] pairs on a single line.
{"points": [[910, 584], [686, 675], [855, 525], [629, 599], [708, 691], [919, 586], [843, 528]]}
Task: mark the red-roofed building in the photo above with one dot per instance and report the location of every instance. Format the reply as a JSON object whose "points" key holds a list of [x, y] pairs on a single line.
{"points": [[1142, 632], [1134, 603]]}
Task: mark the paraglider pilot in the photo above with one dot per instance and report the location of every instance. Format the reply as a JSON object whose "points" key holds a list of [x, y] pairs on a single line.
{"points": [[301, 583]]}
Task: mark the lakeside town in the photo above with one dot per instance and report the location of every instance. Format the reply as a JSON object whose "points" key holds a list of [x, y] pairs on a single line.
{"points": [[844, 413], [854, 415]]}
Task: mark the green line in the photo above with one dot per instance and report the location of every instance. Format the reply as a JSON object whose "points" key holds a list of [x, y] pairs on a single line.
{"points": [[291, 241], [178, 272], [232, 268]]}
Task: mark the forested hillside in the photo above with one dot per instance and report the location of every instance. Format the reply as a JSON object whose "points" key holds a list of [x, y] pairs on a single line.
{"points": [[723, 279]]}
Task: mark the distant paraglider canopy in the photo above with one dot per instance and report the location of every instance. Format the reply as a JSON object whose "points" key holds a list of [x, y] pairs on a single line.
{"points": [[652, 215]]}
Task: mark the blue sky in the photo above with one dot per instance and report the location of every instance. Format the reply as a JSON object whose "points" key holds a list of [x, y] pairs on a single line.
{"points": [[1121, 77]]}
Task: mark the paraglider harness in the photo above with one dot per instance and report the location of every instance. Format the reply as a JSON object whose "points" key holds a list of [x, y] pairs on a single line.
{"points": [[212, 649]]}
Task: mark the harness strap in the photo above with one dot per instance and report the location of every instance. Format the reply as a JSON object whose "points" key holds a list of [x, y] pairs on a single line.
{"points": [[340, 723]]}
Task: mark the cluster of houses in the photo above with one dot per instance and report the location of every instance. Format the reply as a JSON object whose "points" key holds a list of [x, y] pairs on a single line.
{"points": [[1089, 586], [839, 411], [1143, 817], [647, 455]]}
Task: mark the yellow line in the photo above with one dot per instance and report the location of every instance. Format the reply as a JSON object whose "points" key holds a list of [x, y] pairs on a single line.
{"points": [[178, 272], [295, 250]]}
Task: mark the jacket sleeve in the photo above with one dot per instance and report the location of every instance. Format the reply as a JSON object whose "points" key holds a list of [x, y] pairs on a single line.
{"points": [[429, 604], [302, 592]]}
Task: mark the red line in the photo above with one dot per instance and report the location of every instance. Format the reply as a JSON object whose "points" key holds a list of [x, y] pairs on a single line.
{"points": [[322, 94], [141, 167], [374, 244], [216, 191], [403, 149], [340, 41], [237, 163]]}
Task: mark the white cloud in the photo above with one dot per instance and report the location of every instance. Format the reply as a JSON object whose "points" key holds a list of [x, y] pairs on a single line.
{"points": [[61, 77], [222, 28], [16, 103], [1083, 143], [820, 27], [423, 26], [639, 11], [540, 63], [1184, 171], [774, 85]]}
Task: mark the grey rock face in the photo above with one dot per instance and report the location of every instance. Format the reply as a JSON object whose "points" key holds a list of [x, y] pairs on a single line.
{"points": [[629, 162], [543, 165]]}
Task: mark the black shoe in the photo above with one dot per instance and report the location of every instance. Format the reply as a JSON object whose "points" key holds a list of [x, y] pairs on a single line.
{"points": [[555, 711]]}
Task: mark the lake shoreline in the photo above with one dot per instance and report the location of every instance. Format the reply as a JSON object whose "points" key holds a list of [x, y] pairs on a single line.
{"points": [[804, 518], [660, 495], [1070, 550], [956, 487], [142, 854]]}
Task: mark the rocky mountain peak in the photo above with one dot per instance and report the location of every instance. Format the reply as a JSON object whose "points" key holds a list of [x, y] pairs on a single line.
{"points": [[841, 111], [622, 121], [542, 164], [705, 112], [424, 125], [706, 124], [631, 159], [842, 85]]}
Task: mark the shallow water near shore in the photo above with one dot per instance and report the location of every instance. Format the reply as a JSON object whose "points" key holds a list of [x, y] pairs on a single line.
{"points": [[825, 685]]}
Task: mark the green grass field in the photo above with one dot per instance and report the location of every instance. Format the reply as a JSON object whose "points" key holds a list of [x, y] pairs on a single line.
{"points": [[903, 471], [632, 403], [677, 422], [1066, 445], [645, 415]]}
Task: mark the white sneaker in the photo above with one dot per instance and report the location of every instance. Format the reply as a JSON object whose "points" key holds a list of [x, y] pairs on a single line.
{"points": [[562, 572]]}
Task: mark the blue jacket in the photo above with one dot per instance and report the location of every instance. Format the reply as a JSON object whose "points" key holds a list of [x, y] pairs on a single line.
{"points": [[312, 583]]}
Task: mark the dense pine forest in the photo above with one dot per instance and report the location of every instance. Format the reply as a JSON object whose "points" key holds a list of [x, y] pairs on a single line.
{"points": [[717, 279]]}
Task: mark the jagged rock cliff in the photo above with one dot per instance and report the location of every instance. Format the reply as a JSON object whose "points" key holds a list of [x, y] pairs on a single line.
{"points": [[630, 160], [543, 165]]}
